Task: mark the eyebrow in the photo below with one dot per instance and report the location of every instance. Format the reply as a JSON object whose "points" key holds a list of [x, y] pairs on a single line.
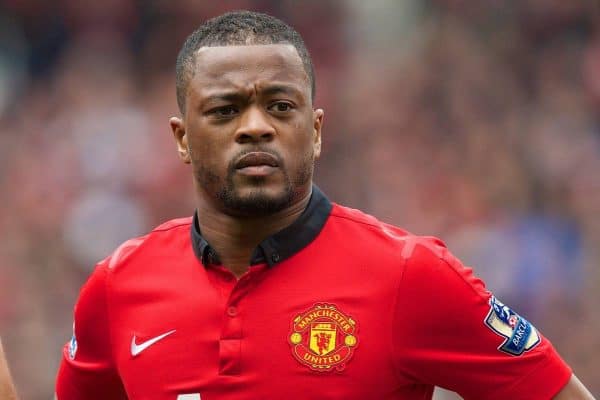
{"points": [[279, 88], [229, 97], [236, 96]]}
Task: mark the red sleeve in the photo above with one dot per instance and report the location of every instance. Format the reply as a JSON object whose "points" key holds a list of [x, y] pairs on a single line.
{"points": [[449, 331], [87, 370]]}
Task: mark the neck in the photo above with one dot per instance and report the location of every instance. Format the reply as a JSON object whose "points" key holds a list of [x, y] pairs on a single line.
{"points": [[235, 238]]}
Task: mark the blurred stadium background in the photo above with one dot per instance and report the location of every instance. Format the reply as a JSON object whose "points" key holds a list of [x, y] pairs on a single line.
{"points": [[477, 121]]}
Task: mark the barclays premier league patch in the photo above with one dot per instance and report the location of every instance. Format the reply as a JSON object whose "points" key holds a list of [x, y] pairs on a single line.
{"points": [[518, 333]]}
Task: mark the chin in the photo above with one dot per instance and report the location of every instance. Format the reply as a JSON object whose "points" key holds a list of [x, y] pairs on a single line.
{"points": [[257, 200]]}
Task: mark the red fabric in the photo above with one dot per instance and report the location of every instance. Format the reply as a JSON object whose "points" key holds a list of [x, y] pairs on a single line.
{"points": [[412, 314], [442, 337]]}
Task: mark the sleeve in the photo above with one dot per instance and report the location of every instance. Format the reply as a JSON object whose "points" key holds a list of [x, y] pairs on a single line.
{"points": [[449, 331], [87, 370]]}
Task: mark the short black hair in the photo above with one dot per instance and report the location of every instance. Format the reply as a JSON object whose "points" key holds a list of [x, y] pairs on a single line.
{"points": [[237, 28]]}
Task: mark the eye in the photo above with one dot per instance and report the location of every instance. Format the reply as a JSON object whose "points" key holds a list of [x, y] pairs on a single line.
{"points": [[281, 106], [224, 111]]}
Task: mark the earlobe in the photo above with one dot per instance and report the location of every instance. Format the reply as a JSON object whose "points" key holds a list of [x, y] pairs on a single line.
{"points": [[178, 129], [318, 115]]}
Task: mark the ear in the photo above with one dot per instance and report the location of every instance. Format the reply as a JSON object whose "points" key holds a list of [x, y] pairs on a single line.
{"points": [[318, 115], [178, 128]]}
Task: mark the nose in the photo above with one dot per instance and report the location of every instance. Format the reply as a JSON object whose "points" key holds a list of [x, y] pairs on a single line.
{"points": [[254, 126]]}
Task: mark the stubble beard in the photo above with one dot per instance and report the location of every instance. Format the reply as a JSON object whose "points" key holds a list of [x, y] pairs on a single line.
{"points": [[258, 203]]}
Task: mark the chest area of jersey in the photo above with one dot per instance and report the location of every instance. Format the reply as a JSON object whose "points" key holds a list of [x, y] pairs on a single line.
{"points": [[249, 339]]}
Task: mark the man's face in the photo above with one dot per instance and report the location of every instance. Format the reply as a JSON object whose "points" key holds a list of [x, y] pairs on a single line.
{"points": [[249, 129]]}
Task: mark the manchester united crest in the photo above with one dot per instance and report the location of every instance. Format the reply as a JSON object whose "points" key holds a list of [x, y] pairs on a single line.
{"points": [[323, 338]]}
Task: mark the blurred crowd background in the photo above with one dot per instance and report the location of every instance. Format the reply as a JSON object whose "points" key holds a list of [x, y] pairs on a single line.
{"points": [[477, 121]]}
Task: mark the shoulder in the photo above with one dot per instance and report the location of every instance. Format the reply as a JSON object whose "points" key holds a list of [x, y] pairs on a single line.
{"points": [[91, 307], [403, 244], [424, 261], [157, 238]]}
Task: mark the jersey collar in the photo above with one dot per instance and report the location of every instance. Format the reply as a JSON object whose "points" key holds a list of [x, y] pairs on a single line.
{"points": [[281, 245]]}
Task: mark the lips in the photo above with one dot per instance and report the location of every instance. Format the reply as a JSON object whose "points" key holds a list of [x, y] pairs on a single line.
{"points": [[257, 159]]}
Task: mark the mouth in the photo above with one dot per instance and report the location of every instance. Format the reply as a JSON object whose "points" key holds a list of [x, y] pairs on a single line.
{"points": [[257, 163]]}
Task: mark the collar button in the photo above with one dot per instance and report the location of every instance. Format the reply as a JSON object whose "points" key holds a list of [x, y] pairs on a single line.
{"points": [[212, 257], [275, 257]]}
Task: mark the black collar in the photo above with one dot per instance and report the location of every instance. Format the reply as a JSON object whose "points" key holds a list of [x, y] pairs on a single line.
{"points": [[282, 244]]}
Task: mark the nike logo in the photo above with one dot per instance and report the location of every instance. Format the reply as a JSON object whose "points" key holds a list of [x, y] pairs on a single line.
{"points": [[138, 348]]}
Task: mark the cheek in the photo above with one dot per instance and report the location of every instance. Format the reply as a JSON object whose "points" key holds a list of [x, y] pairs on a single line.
{"points": [[302, 132], [201, 150], [207, 167], [205, 147], [301, 149]]}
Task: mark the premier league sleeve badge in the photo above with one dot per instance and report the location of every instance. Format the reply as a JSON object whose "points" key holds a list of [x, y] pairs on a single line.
{"points": [[518, 333]]}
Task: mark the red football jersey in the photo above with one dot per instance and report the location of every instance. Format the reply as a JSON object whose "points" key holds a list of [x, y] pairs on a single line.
{"points": [[337, 306]]}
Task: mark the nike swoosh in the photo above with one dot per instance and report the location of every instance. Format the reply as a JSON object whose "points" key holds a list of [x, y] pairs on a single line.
{"points": [[138, 348]]}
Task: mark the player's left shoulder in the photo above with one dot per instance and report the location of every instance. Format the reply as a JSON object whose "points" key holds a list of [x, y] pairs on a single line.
{"points": [[425, 249], [429, 252], [391, 244], [428, 262], [371, 231]]}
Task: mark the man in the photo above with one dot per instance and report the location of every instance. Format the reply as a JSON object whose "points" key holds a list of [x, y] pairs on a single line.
{"points": [[270, 291], [7, 389]]}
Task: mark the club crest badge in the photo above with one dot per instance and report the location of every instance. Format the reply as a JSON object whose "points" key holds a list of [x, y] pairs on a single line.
{"points": [[323, 338], [518, 333]]}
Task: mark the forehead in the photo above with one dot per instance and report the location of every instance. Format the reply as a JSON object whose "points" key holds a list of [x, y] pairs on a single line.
{"points": [[227, 67]]}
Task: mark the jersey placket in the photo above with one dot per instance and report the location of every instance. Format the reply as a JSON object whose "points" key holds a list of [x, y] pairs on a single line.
{"points": [[230, 342]]}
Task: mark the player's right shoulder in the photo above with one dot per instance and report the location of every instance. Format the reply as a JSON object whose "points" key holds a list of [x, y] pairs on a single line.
{"points": [[136, 247]]}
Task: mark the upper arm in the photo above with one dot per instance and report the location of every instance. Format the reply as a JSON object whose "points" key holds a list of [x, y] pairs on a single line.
{"points": [[451, 332], [87, 370], [574, 390]]}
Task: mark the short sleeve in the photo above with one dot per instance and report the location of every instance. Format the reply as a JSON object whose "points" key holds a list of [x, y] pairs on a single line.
{"points": [[87, 370], [451, 332]]}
